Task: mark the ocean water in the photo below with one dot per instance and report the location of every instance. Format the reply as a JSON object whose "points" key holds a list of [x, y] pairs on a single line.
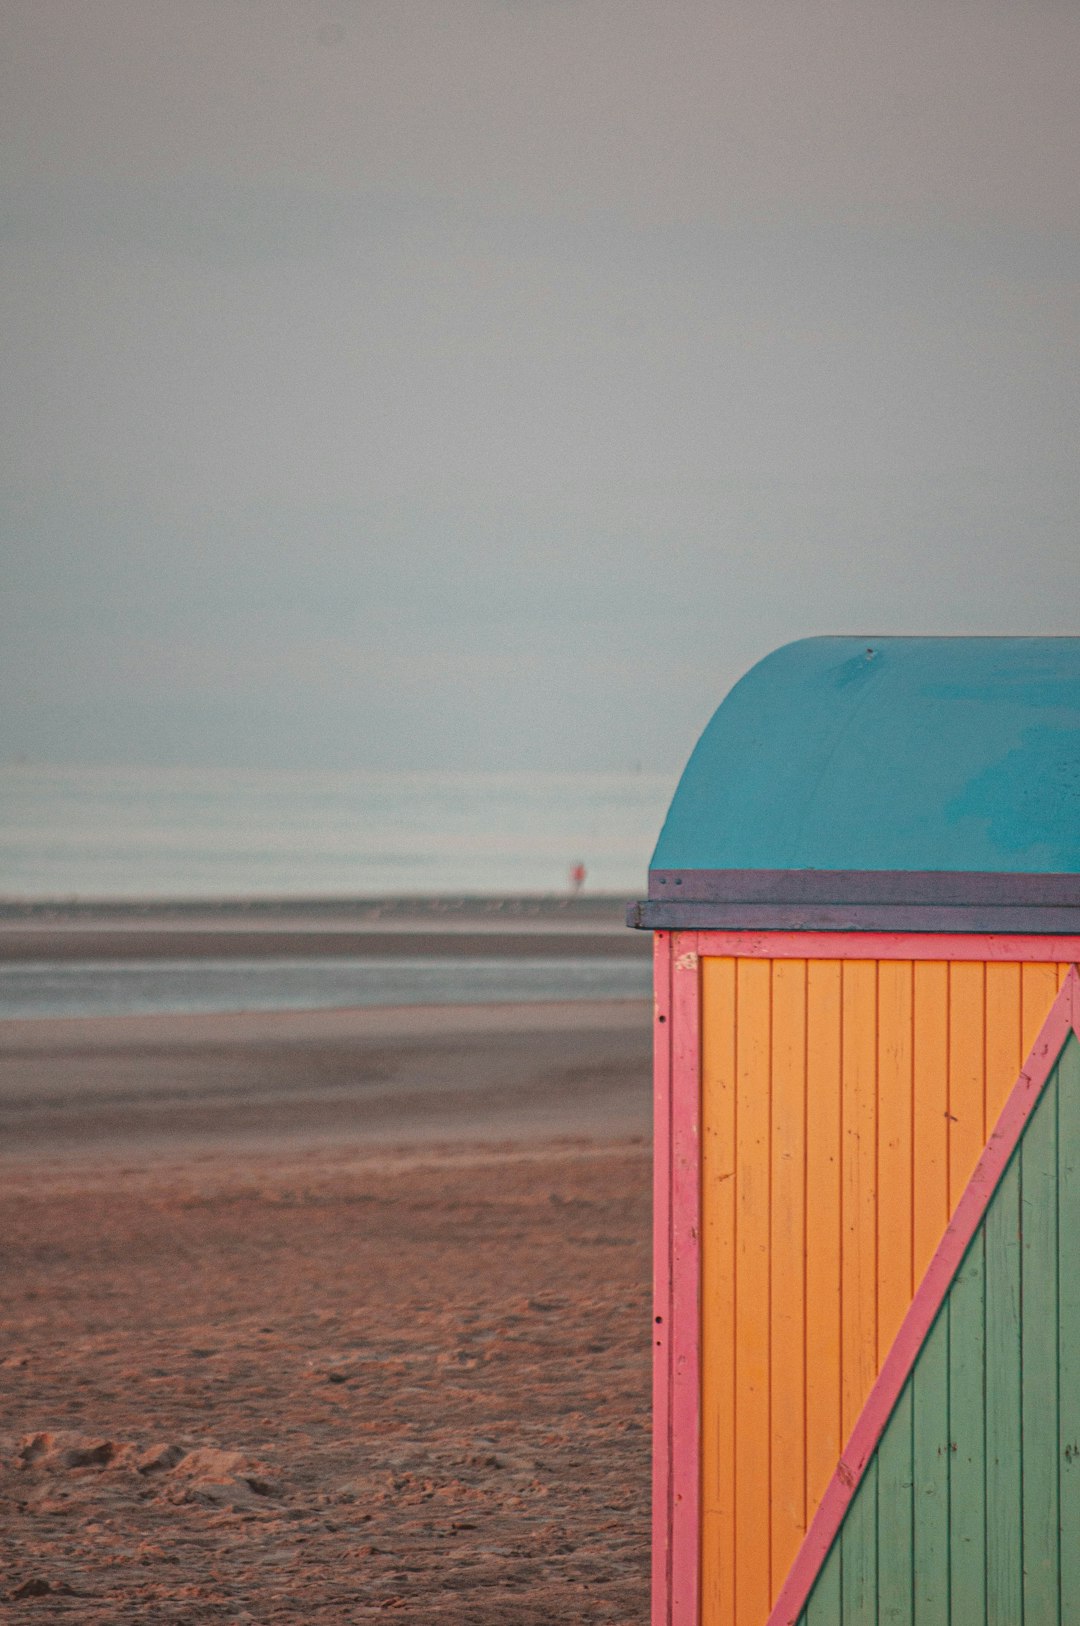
{"points": [[134, 988], [97, 833]]}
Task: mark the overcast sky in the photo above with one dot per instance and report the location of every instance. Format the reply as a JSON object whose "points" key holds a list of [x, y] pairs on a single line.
{"points": [[486, 383]]}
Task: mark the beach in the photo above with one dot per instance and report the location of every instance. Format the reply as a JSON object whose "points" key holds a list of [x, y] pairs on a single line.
{"points": [[326, 1315], [389, 927]]}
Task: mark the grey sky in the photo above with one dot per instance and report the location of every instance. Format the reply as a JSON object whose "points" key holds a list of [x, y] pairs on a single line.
{"points": [[447, 382]]}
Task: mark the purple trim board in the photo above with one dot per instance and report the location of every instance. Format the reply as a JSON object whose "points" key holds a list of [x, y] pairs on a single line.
{"points": [[858, 900]]}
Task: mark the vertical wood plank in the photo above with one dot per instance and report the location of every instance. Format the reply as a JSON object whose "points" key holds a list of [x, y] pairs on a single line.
{"points": [[788, 1352], [931, 1090], [825, 1605], [1004, 1057], [662, 1441], [967, 1062], [752, 1296], [1039, 1354], [1004, 1479], [1069, 1323], [859, 1576], [896, 1283], [931, 1458], [896, 1517], [859, 1187], [967, 1435], [823, 1424], [718, 1291], [1039, 986], [685, 1280]]}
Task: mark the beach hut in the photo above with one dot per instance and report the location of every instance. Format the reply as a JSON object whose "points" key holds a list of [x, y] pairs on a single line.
{"points": [[866, 908]]}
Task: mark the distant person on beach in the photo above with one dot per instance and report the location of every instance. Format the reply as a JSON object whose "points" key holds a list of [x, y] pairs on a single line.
{"points": [[577, 878]]}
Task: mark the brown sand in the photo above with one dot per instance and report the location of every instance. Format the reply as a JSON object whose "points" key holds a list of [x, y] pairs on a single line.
{"points": [[283, 1342], [419, 1074], [263, 943], [536, 928]]}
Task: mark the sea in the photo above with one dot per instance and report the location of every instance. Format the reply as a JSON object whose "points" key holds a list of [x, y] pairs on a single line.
{"points": [[182, 833], [216, 836]]}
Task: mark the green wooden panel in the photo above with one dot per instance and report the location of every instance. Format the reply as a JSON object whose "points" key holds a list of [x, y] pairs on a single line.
{"points": [[896, 1517], [1069, 1325], [930, 1379], [967, 1437], [1004, 1551], [859, 1578], [1039, 1356], [956, 1522], [824, 1607]]}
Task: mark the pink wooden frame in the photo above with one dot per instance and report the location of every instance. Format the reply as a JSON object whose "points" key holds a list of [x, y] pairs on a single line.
{"points": [[663, 1444], [761, 945], [1064, 1018], [677, 1224], [677, 1279]]}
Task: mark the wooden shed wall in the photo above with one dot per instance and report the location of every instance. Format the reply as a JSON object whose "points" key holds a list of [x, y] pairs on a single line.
{"points": [[826, 1084], [969, 1509]]}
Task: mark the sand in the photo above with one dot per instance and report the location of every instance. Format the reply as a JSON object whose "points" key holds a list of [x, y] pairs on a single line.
{"points": [[265, 943], [541, 928], [326, 1316], [415, 1075]]}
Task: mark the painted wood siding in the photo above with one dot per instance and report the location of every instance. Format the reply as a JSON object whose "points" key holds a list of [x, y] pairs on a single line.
{"points": [[969, 1510], [844, 1106]]}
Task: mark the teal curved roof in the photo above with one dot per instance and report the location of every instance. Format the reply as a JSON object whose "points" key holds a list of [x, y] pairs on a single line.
{"points": [[889, 754]]}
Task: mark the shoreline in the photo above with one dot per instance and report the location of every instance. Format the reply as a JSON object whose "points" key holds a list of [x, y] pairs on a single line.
{"points": [[147, 942], [403, 928], [589, 909]]}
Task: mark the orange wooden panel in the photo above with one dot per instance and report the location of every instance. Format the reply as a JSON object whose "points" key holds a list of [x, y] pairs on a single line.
{"points": [[718, 1290], [858, 1265], [967, 1066], [930, 1092], [1038, 986], [788, 1362], [753, 1420], [894, 1173], [823, 1026], [1004, 1055]]}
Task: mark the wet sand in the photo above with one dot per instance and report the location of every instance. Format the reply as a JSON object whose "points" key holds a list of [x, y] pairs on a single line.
{"points": [[326, 1316], [382, 928], [415, 1075]]}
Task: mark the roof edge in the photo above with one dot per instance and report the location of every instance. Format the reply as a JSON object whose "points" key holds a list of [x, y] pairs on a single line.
{"points": [[859, 900]]}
